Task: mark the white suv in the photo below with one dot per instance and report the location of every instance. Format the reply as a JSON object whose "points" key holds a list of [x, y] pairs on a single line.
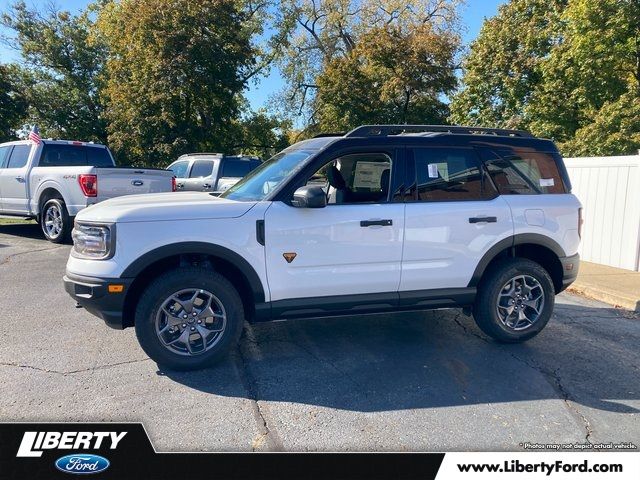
{"points": [[385, 218]]}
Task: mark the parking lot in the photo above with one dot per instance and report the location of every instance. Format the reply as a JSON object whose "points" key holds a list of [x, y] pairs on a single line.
{"points": [[419, 381]]}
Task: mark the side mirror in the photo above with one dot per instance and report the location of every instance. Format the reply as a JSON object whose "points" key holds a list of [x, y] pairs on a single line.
{"points": [[310, 196]]}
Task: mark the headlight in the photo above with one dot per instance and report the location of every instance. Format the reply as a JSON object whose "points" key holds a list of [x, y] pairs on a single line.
{"points": [[93, 241]]}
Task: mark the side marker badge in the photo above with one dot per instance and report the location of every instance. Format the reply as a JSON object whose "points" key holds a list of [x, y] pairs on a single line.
{"points": [[289, 256]]}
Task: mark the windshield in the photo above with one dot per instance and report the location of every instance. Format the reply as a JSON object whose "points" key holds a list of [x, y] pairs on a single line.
{"points": [[270, 175]]}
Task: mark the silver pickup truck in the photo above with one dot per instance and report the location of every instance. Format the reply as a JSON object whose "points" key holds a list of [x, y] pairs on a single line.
{"points": [[211, 172], [53, 180]]}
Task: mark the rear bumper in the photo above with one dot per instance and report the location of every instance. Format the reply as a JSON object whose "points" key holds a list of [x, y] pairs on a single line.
{"points": [[93, 295], [570, 268]]}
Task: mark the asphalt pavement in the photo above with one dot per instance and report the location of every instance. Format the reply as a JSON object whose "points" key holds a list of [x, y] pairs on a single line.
{"points": [[420, 381]]}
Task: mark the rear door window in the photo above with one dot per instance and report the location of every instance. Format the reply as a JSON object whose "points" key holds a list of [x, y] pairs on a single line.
{"points": [[518, 171], [235, 168], [4, 155], [19, 156], [201, 168], [449, 174]]}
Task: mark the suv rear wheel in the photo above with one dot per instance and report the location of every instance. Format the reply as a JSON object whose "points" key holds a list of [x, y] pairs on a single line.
{"points": [[514, 301], [189, 318]]}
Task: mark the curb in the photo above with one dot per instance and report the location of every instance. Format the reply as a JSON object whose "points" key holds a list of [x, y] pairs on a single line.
{"points": [[612, 298]]}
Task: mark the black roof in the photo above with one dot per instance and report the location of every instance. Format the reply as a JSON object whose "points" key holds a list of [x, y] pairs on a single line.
{"points": [[387, 130], [441, 135]]}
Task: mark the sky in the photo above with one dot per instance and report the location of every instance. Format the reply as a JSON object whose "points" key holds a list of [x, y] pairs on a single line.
{"points": [[473, 14]]}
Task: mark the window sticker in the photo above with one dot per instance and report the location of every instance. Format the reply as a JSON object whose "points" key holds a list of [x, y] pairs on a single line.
{"points": [[547, 182], [438, 170], [369, 174]]}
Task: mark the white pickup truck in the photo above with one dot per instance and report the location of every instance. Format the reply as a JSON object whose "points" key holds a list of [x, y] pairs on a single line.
{"points": [[53, 180]]}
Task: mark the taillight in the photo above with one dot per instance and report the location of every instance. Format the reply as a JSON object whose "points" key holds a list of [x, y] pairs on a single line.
{"points": [[580, 222], [88, 184], [173, 184]]}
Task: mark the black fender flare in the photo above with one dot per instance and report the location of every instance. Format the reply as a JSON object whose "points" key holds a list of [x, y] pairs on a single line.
{"points": [[166, 251], [512, 241]]}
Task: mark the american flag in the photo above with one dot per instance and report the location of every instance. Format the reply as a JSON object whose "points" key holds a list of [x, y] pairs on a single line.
{"points": [[34, 135]]}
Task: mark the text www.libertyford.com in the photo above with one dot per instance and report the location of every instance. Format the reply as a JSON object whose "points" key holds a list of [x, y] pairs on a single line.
{"points": [[516, 466]]}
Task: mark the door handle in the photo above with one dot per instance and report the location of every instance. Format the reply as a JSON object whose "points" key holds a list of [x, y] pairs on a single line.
{"points": [[206, 185], [179, 185], [20, 179], [370, 223], [483, 220]]}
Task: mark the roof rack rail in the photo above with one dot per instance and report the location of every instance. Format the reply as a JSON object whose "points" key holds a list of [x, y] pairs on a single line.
{"points": [[209, 154], [330, 134], [386, 130]]}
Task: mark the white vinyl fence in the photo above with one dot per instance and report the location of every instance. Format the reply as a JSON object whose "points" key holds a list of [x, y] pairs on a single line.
{"points": [[609, 189]]}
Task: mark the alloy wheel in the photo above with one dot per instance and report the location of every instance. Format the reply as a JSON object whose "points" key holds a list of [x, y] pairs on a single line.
{"points": [[190, 321], [520, 302], [53, 222]]}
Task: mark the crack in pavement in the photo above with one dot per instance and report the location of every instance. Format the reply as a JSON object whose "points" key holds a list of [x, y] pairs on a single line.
{"points": [[552, 377], [13, 255], [268, 433], [70, 372]]}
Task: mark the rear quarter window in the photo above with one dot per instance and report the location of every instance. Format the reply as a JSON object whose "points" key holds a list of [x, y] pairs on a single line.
{"points": [[235, 168], [519, 171]]}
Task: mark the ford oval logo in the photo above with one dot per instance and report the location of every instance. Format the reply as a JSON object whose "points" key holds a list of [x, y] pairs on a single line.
{"points": [[137, 183], [82, 463]]}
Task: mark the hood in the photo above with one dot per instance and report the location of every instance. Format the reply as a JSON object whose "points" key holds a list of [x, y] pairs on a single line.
{"points": [[164, 206]]}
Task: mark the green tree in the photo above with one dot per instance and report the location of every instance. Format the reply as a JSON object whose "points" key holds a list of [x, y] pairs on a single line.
{"points": [[13, 107], [615, 130], [261, 134], [61, 72], [571, 73], [346, 61], [591, 80], [393, 75], [176, 73], [503, 66]]}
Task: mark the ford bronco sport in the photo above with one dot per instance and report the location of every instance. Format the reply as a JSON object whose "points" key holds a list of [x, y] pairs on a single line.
{"points": [[382, 219]]}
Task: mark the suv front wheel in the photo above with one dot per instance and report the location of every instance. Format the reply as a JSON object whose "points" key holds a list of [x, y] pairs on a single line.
{"points": [[189, 318], [515, 300]]}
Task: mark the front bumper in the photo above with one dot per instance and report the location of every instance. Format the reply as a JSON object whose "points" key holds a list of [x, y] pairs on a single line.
{"points": [[570, 267], [94, 296]]}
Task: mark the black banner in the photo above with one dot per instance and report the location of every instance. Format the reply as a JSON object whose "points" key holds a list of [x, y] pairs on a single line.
{"points": [[123, 451]]}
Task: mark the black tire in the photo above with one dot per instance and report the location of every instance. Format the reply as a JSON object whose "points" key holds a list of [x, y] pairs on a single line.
{"points": [[163, 288], [485, 310], [59, 234]]}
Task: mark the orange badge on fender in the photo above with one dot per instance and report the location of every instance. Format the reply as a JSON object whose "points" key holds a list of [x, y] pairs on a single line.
{"points": [[289, 256]]}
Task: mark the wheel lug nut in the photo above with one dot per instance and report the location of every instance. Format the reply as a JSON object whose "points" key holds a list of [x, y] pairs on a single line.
{"points": [[184, 325], [199, 321], [193, 329], [194, 314]]}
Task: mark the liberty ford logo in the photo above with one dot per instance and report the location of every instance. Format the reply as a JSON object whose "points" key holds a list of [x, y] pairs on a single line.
{"points": [[82, 463]]}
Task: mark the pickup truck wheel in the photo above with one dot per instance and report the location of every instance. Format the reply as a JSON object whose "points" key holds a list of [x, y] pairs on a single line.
{"points": [[189, 318], [514, 301], [55, 221]]}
